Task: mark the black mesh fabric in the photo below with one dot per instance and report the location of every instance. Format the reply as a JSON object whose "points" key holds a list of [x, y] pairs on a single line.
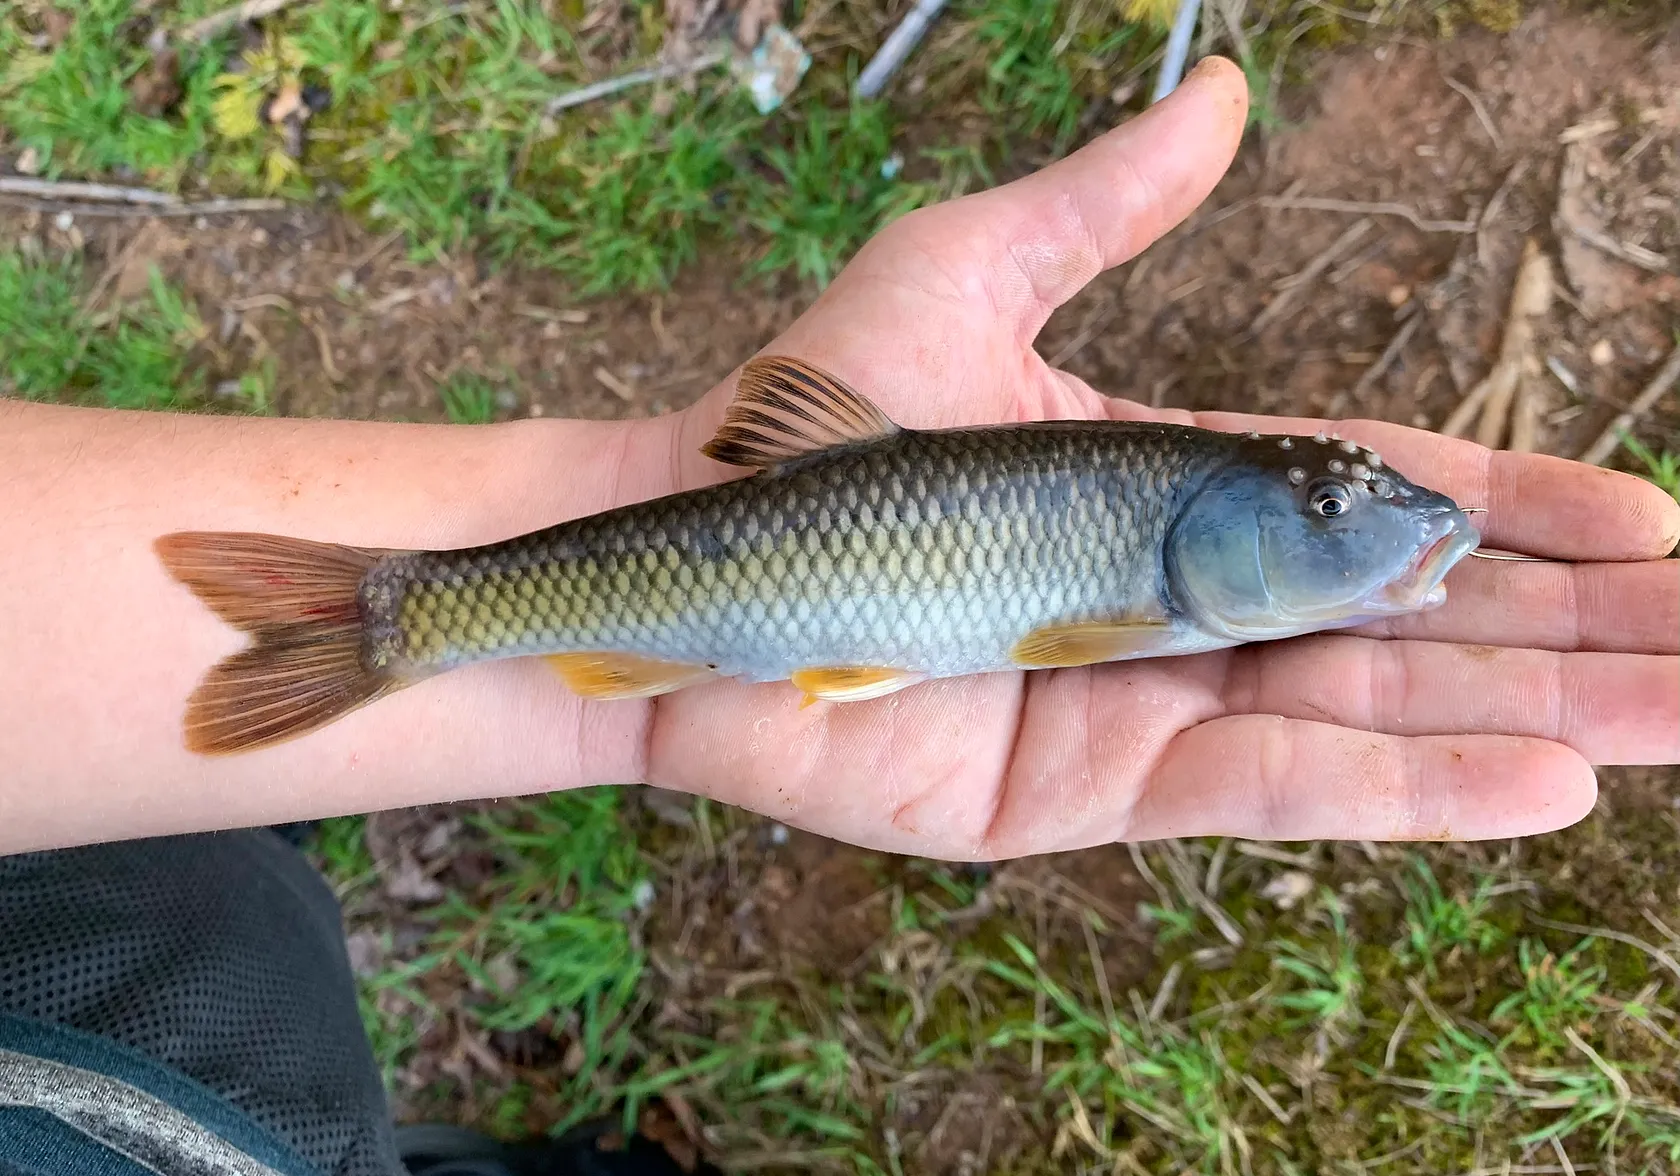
{"points": [[221, 955]]}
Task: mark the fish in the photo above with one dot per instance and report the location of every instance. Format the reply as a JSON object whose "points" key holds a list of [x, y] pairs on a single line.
{"points": [[858, 558]]}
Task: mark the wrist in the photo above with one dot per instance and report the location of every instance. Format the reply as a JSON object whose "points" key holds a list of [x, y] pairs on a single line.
{"points": [[104, 647]]}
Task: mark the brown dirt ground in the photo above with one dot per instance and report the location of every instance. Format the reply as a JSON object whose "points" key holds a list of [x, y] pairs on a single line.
{"points": [[1460, 131], [1472, 130]]}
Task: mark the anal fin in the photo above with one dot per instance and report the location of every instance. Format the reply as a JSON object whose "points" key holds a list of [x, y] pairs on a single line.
{"points": [[624, 675], [850, 683], [1085, 643]]}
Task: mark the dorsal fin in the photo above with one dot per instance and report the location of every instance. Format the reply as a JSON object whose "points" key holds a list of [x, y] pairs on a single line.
{"points": [[786, 407]]}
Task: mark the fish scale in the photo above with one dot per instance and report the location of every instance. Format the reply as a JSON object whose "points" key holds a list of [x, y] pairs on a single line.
{"points": [[927, 551]]}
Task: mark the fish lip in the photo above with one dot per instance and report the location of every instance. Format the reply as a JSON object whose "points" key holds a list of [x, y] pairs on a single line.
{"points": [[1421, 586]]}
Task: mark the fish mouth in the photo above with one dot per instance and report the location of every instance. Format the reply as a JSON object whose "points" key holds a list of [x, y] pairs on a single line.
{"points": [[1421, 586]]}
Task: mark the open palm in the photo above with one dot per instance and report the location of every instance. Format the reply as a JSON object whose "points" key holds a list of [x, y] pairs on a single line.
{"points": [[1477, 720]]}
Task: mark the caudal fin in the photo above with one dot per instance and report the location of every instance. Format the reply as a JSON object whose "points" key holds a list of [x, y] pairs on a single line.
{"points": [[299, 601]]}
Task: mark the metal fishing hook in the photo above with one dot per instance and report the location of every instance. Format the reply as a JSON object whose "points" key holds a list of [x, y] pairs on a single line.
{"points": [[1501, 555]]}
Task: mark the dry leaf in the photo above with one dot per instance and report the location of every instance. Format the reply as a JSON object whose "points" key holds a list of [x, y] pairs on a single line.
{"points": [[287, 102], [754, 17], [56, 25], [155, 90]]}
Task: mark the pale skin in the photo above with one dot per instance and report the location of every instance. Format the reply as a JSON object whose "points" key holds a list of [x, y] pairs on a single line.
{"points": [[1478, 720]]}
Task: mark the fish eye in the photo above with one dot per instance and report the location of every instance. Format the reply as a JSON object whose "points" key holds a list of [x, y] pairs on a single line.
{"points": [[1329, 499]]}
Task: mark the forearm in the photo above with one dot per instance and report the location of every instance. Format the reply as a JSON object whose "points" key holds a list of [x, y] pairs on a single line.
{"points": [[100, 648]]}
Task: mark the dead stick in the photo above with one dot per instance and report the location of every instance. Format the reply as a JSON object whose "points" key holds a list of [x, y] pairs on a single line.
{"points": [[657, 73], [1384, 361], [1296, 283], [1379, 208], [201, 208], [1510, 403], [1492, 396], [227, 18], [1599, 451], [1459, 419], [71, 190]]}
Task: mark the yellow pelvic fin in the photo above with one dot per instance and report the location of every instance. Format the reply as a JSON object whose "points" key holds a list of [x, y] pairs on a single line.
{"points": [[1085, 643], [850, 683], [785, 407], [624, 675]]}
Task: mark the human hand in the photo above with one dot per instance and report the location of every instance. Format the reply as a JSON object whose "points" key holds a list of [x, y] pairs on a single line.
{"points": [[1476, 720]]}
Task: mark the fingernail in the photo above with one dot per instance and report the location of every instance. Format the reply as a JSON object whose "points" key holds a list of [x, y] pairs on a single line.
{"points": [[1201, 69]]}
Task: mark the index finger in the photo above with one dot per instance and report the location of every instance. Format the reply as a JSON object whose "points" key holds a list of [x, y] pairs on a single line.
{"points": [[1537, 504]]}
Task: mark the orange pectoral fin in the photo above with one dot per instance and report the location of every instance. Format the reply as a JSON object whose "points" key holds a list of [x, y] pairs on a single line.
{"points": [[1085, 643], [850, 683], [624, 675]]}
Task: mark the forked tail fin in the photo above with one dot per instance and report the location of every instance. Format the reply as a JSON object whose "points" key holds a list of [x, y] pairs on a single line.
{"points": [[300, 602]]}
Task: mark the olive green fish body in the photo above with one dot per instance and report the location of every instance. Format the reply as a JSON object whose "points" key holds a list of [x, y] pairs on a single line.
{"points": [[929, 552]]}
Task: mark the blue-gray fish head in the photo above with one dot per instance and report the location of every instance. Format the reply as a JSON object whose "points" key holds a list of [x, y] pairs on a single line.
{"points": [[1301, 534]]}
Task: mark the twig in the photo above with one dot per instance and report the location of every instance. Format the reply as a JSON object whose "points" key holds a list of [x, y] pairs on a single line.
{"points": [[615, 385], [200, 208], [1266, 1099], [1493, 397], [1573, 219], [1216, 867], [1377, 370], [1495, 203], [657, 73], [1100, 970], [1164, 994], [1563, 1157], [896, 48], [1178, 864], [1591, 129], [216, 22], [1141, 864], [1389, 1157], [324, 345], [72, 190], [1656, 953], [1259, 849], [1663, 928], [1600, 450], [1610, 1072], [1399, 1035], [1534, 298], [1379, 208], [1645, 259], [1482, 117], [1296, 283]]}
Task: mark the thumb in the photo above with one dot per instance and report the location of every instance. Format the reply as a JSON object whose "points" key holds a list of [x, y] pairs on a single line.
{"points": [[1051, 232]]}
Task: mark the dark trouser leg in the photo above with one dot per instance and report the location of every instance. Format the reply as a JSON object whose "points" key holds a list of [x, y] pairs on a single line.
{"points": [[221, 955]]}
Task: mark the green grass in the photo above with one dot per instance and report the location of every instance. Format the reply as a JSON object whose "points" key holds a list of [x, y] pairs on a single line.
{"points": [[1662, 468], [144, 353], [1044, 64], [468, 399], [134, 356], [1428, 1008], [545, 941], [71, 104], [437, 127], [437, 123]]}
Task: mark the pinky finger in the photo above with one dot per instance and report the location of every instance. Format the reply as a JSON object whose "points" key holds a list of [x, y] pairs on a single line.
{"points": [[1276, 779]]}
